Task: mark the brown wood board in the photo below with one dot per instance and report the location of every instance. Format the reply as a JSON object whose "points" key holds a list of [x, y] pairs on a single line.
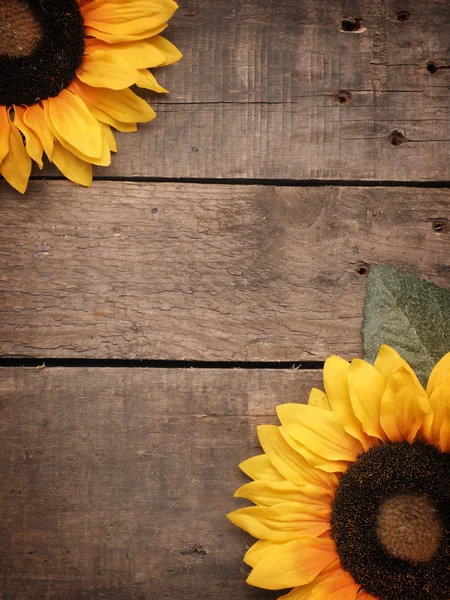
{"points": [[255, 95], [115, 483], [204, 272]]}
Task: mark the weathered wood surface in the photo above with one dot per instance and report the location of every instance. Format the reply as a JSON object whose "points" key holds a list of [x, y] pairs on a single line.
{"points": [[115, 483], [254, 96], [204, 272]]}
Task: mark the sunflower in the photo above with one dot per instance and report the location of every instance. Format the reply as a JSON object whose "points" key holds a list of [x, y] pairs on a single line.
{"points": [[352, 493], [66, 67]]}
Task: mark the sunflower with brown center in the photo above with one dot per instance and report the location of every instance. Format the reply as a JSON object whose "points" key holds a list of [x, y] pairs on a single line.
{"points": [[66, 67], [352, 493]]}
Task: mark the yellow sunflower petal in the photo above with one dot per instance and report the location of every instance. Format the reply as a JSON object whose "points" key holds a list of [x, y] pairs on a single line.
{"points": [[148, 81], [33, 144], [281, 522], [104, 69], [16, 166], [171, 52], [303, 592], [5, 132], [260, 467], [73, 123], [72, 167], [366, 387], [139, 54], [439, 433], [320, 431], [104, 160], [115, 38], [338, 586], [133, 18], [109, 137], [34, 118], [258, 551], [403, 406], [306, 592], [440, 373], [336, 387], [290, 463], [123, 105], [389, 360], [269, 493], [319, 399], [102, 117], [280, 568], [316, 461]]}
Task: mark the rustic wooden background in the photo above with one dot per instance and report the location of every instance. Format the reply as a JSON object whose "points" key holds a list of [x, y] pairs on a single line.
{"points": [[204, 279]]}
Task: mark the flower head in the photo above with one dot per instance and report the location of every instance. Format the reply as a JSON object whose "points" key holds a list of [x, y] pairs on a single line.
{"points": [[66, 67], [352, 492]]}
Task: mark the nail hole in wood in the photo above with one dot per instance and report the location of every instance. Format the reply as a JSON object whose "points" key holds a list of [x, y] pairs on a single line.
{"points": [[440, 226], [343, 97], [352, 25], [397, 137], [403, 15], [363, 270], [432, 67]]}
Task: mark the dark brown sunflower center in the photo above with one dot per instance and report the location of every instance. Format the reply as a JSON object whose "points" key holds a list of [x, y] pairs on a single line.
{"points": [[41, 48], [391, 521], [20, 32], [409, 527]]}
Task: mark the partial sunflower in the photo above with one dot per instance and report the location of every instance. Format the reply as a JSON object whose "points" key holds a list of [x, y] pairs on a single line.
{"points": [[353, 492], [66, 67]]}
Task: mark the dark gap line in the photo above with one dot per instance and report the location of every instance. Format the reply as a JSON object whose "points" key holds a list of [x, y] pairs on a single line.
{"points": [[263, 182], [114, 363]]}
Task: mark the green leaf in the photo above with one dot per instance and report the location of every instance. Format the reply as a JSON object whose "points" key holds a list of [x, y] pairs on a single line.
{"points": [[410, 315]]}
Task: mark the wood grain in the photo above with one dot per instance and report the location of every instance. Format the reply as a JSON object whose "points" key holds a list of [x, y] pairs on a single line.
{"points": [[255, 95], [115, 483], [204, 272]]}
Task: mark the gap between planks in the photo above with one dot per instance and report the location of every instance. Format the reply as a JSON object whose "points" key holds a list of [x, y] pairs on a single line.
{"points": [[105, 363], [261, 182]]}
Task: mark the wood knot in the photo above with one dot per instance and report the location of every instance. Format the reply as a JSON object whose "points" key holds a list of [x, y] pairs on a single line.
{"points": [[402, 16], [352, 25], [397, 137], [343, 97]]}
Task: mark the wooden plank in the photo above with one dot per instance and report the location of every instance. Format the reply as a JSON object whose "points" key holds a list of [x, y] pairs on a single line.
{"points": [[115, 483], [255, 96], [204, 272], [312, 139]]}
